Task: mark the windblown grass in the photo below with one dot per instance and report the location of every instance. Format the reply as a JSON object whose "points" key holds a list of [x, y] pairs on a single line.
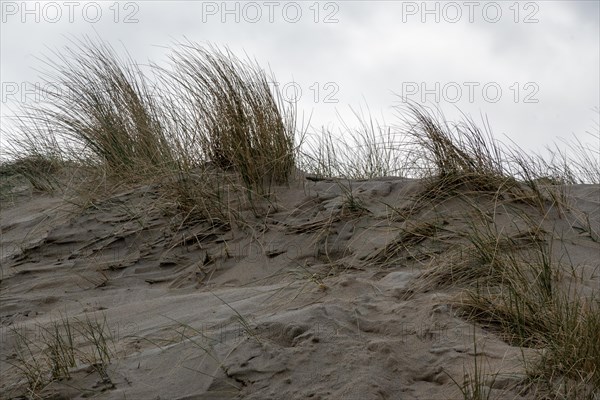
{"points": [[103, 113], [459, 158], [240, 124], [59, 348], [40, 171], [530, 310], [577, 161], [518, 291], [507, 275], [367, 151], [208, 126]]}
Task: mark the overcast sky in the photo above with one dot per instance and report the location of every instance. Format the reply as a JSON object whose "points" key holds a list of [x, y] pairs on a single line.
{"points": [[531, 67]]}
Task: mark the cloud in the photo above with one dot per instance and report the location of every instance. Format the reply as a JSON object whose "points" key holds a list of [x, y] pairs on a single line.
{"points": [[352, 52]]}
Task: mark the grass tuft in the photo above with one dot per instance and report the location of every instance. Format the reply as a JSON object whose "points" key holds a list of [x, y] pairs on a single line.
{"points": [[240, 123]]}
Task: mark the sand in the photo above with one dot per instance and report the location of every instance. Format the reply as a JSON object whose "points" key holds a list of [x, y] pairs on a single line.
{"points": [[290, 305]]}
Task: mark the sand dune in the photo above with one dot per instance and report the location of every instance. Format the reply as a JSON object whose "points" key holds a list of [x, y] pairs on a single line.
{"points": [[306, 301]]}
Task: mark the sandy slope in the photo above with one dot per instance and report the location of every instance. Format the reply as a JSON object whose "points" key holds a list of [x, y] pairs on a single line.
{"points": [[291, 305]]}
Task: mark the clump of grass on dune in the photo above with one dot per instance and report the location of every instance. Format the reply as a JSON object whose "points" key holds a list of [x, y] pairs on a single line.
{"points": [[506, 278], [531, 309], [509, 282], [203, 195], [229, 131], [32, 153], [100, 110], [369, 150], [505, 274], [461, 159], [577, 161], [451, 159], [239, 122], [54, 353], [458, 154], [480, 260], [208, 126], [40, 171]]}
